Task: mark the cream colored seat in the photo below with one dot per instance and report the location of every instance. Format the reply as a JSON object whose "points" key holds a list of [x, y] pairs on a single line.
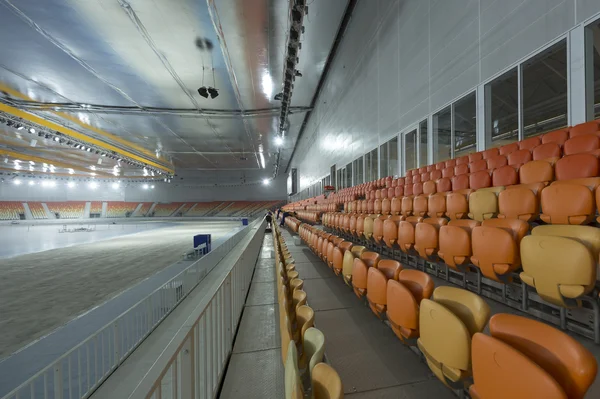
{"points": [[560, 262], [446, 325], [326, 383], [483, 203], [314, 348], [293, 384]]}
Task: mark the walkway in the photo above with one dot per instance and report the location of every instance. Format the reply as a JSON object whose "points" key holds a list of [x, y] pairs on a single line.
{"points": [[255, 368]]}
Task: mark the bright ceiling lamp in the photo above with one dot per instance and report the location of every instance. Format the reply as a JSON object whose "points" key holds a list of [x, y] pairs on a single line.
{"points": [[145, 187], [17, 182], [278, 141], [267, 85], [262, 160], [31, 182], [93, 185], [71, 184], [116, 186], [266, 182]]}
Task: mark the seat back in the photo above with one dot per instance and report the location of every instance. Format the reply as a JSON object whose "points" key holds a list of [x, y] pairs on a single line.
{"points": [[419, 284], [560, 262], [305, 318], [584, 128], [368, 226], [443, 185], [407, 206], [420, 205], [337, 262], [357, 250], [567, 204], [549, 151], [386, 206], [519, 157], [529, 143], [581, 144], [460, 182], [476, 166], [505, 176], [314, 347], [402, 310], [345, 246], [463, 169], [508, 149], [519, 202], [558, 136], [292, 374], [496, 162], [390, 231], [483, 204], [359, 277], [535, 172], [448, 172], [429, 187], [326, 383], [577, 166], [426, 237], [457, 204], [298, 299], [376, 291], [455, 242], [487, 154], [390, 268], [396, 206], [436, 205], [370, 258], [296, 284], [475, 156], [481, 179]]}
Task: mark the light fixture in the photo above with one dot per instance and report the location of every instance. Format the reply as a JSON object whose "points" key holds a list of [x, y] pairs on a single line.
{"points": [[214, 93], [152, 186], [262, 160], [266, 182], [115, 186], [31, 130], [278, 141], [93, 185], [31, 182], [20, 127], [17, 182], [203, 91], [71, 184], [56, 138], [145, 187]]}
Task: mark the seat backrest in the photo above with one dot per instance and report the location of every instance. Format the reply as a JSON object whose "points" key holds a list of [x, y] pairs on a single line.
{"points": [[487, 154], [547, 151], [420, 284], [483, 204], [508, 149], [475, 166], [296, 284], [407, 206], [479, 180], [584, 128], [376, 286], [416, 178], [425, 177], [357, 250], [462, 160], [448, 172], [370, 258], [529, 143], [298, 299], [440, 165], [563, 357], [386, 206], [402, 306], [515, 227], [557, 136], [305, 318], [359, 273], [347, 263], [417, 189], [390, 268], [326, 383], [496, 161], [429, 187], [476, 156], [519, 157], [468, 306], [461, 169], [338, 258], [460, 182], [567, 204], [408, 189], [587, 235], [292, 374], [505, 176], [577, 166], [581, 144], [451, 163], [436, 175], [536, 172], [399, 191], [314, 347]]}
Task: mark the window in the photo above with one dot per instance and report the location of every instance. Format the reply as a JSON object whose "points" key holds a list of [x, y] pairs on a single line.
{"points": [[442, 135], [592, 37], [423, 143], [393, 157], [503, 119], [545, 91], [374, 162], [367, 166], [410, 150], [383, 159], [358, 171], [349, 175], [465, 126], [338, 179]]}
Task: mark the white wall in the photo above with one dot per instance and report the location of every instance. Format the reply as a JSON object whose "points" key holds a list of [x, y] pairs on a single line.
{"points": [[400, 61], [163, 192]]}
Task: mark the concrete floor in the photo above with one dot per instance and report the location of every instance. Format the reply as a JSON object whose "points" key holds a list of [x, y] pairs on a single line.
{"points": [[44, 290]]}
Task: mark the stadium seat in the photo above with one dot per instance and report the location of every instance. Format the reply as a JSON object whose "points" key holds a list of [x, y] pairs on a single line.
{"points": [[337, 262], [293, 384], [407, 206], [475, 156], [406, 233], [462, 160], [443, 185], [448, 172], [558, 136], [447, 323], [386, 208], [314, 348], [460, 182], [378, 229], [371, 259], [326, 382], [496, 247], [451, 163], [436, 175], [508, 149], [505, 176], [426, 237], [476, 166], [436, 205], [586, 143], [525, 358], [519, 157], [536, 172], [560, 262], [376, 291], [584, 128], [455, 243], [457, 204], [567, 204], [520, 202], [390, 231], [548, 151], [483, 203], [359, 277], [487, 154], [403, 299], [480, 179], [496, 162], [530, 143]]}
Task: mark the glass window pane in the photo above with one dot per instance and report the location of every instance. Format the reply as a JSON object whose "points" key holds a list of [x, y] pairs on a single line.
{"points": [[410, 149], [393, 157], [367, 167], [423, 143], [465, 126], [359, 171], [545, 91], [349, 175], [504, 114], [442, 135], [383, 159], [593, 74], [374, 161]]}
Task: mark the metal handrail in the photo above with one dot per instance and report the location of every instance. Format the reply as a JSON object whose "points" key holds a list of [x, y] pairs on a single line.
{"points": [[81, 370]]}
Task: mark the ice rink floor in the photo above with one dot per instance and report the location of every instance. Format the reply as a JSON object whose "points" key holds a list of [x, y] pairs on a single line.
{"points": [[48, 278]]}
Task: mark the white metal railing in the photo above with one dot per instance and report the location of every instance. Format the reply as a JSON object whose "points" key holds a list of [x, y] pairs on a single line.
{"points": [[77, 373]]}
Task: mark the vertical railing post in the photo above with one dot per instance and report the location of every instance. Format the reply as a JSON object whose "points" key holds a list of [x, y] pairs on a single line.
{"points": [[187, 373], [117, 343], [58, 381]]}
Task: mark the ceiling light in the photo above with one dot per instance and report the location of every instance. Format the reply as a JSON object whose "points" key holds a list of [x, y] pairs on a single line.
{"points": [[31, 130], [203, 92], [145, 187], [17, 182], [262, 160], [71, 184], [115, 186], [89, 149], [267, 85], [71, 171], [298, 73], [31, 182], [20, 127], [92, 167], [56, 138], [279, 141], [214, 93], [266, 182], [93, 185], [31, 163], [48, 183], [152, 186]]}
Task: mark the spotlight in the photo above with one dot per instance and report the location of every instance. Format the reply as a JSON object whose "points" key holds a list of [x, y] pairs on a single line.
{"points": [[89, 149], [152, 186], [214, 93], [46, 136], [71, 184], [203, 91], [298, 73], [31, 182], [266, 182], [278, 96], [17, 182], [278, 141], [115, 186], [56, 138], [145, 187], [31, 130], [20, 127], [93, 185]]}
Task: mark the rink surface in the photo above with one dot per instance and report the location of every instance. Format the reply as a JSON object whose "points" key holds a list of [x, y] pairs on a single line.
{"points": [[41, 289]]}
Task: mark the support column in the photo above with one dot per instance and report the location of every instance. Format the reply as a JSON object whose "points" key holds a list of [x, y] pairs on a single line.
{"points": [[581, 89]]}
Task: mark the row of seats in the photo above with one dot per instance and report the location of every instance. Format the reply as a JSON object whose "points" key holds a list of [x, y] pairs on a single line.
{"points": [[165, 210], [302, 344], [143, 211], [11, 210], [67, 210], [119, 209], [96, 207], [292, 223], [37, 210], [520, 358], [309, 216]]}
